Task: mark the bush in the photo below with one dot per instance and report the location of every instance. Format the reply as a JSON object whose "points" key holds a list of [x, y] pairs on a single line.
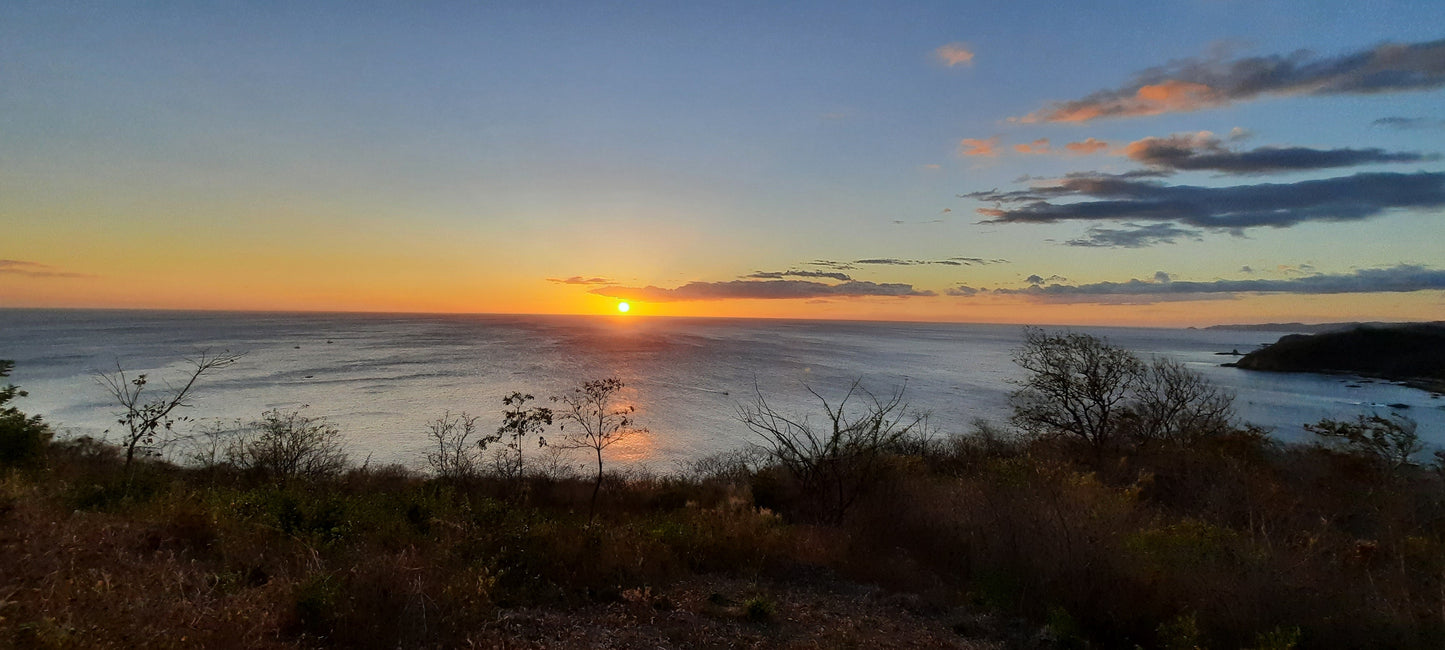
{"points": [[454, 458], [1390, 441], [288, 446], [835, 465], [22, 439]]}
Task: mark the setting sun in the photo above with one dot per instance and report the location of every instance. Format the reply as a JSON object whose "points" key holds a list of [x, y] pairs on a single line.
{"points": [[623, 307]]}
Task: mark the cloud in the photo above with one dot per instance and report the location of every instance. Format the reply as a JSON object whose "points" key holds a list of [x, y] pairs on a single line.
{"points": [[1194, 84], [1346, 198], [759, 290], [777, 275], [954, 54], [1203, 151], [976, 147], [836, 265], [26, 269], [1038, 146], [1246, 269], [1086, 146], [1134, 236], [1402, 278], [1409, 123], [577, 279], [952, 261], [963, 290]]}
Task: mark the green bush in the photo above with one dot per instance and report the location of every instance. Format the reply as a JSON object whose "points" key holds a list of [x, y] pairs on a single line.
{"points": [[22, 439]]}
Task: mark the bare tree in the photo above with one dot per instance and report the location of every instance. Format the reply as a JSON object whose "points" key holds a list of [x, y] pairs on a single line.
{"points": [[599, 423], [517, 423], [1175, 404], [455, 458], [151, 419], [837, 463], [1076, 385], [1082, 387]]}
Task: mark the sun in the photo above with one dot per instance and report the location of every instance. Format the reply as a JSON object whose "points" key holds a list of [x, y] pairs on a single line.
{"points": [[623, 307]]}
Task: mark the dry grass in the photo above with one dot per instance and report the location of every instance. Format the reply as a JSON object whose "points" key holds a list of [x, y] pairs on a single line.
{"points": [[966, 543]]}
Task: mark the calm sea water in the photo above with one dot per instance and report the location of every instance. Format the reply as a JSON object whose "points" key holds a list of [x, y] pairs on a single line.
{"points": [[381, 378]]}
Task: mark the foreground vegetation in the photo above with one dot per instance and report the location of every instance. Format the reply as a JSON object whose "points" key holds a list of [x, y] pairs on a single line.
{"points": [[1122, 508]]}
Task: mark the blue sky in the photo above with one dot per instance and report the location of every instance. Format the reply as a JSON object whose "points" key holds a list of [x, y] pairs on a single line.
{"points": [[454, 156]]}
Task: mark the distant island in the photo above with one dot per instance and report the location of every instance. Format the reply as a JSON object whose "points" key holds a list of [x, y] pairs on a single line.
{"points": [[1312, 328], [1411, 353]]}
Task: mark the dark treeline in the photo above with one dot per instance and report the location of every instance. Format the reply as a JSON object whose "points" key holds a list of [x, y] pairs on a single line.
{"points": [[1122, 505]]}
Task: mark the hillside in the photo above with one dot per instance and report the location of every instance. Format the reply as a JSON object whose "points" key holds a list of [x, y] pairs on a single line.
{"points": [[1414, 353]]}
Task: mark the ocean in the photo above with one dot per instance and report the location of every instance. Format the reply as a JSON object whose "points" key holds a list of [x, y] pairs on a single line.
{"points": [[380, 378]]}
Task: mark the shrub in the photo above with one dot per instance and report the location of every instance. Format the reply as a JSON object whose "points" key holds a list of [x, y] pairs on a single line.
{"points": [[837, 464], [147, 419], [22, 439], [518, 422], [454, 458], [289, 445], [1390, 441]]}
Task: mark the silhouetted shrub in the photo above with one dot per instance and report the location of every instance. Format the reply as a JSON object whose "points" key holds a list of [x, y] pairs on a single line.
{"points": [[22, 439], [835, 464], [289, 445]]}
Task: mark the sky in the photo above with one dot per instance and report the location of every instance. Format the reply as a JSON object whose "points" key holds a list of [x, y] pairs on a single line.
{"points": [[1130, 163]]}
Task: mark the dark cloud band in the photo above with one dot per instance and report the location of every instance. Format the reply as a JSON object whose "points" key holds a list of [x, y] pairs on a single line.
{"points": [[1204, 152], [759, 289], [1397, 279], [1347, 198]]}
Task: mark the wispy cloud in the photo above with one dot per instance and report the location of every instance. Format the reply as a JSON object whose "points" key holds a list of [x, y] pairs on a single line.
{"points": [[1194, 84], [27, 269], [1203, 151], [577, 279], [951, 261], [1346, 198], [778, 275], [1087, 146], [1042, 146], [1039, 146], [895, 261], [1401, 278], [1410, 123], [759, 290], [954, 54], [976, 147]]}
